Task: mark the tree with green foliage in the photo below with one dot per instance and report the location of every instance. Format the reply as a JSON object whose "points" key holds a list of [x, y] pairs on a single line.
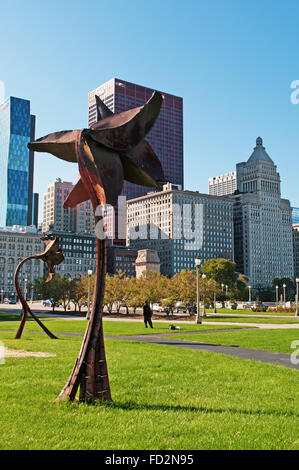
{"points": [[58, 290], [152, 286], [221, 270], [290, 287], [79, 292], [135, 298], [184, 287]]}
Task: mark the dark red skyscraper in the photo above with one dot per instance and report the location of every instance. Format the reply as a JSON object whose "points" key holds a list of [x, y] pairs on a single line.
{"points": [[166, 137]]}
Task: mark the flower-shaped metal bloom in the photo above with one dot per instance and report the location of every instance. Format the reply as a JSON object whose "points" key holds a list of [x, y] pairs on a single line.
{"points": [[108, 152], [52, 255]]}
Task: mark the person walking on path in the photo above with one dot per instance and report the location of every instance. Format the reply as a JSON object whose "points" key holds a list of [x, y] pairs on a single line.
{"points": [[147, 314]]}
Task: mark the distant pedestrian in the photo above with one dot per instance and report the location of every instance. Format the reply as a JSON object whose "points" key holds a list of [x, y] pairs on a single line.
{"points": [[147, 314]]}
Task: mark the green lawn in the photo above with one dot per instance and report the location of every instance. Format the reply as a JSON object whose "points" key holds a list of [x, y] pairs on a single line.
{"points": [[9, 317], [248, 311], [110, 327], [267, 340], [252, 320], [164, 398]]}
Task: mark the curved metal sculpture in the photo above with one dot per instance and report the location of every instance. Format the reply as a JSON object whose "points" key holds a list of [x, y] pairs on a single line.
{"points": [[51, 256], [111, 151]]}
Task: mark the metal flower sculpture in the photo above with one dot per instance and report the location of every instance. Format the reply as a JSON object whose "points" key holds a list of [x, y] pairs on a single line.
{"points": [[51, 256], [109, 152]]}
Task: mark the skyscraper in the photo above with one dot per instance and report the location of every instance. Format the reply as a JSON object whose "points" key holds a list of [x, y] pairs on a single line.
{"points": [[223, 185], [262, 221], [296, 249], [17, 129], [295, 215], [181, 226], [60, 218], [166, 137]]}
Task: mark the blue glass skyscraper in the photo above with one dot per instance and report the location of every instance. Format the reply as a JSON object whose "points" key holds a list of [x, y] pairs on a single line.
{"points": [[295, 215], [17, 128]]}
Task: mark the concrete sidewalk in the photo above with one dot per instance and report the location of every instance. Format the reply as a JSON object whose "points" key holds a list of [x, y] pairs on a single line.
{"points": [[278, 359]]}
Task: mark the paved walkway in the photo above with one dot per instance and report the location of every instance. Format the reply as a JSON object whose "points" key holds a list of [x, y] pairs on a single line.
{"points": [[270, 357], [278, 359], [262, 326]]}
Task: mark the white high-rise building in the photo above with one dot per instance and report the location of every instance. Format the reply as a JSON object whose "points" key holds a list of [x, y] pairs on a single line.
{"points": [[60, 218], [223, 185], [181, 226], [262, 221]]}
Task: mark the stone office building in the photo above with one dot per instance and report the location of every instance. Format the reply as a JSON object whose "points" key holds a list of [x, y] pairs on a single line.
{"points": [[79, 253], [262, 221], [181, 226], [16, 243], [296, 249]]}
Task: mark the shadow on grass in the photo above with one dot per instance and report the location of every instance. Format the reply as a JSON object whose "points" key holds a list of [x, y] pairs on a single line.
{"points": [[132, 406]]}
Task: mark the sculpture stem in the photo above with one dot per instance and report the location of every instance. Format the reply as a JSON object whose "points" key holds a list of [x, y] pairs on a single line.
{"points": [[90, 370], [26, 308]]}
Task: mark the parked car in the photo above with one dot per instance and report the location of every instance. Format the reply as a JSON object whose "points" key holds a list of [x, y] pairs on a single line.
{"points": [[9, 301], [50, 303], [181, 309], [157, 307], [259, 307]]}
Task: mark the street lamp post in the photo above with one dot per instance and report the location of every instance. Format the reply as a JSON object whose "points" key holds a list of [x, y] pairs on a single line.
{"points": [[204, 304], [297, 295], [249, 289], [284, 295], [226, 294], [25, 289], [89, 272], [276, 287], [222, 287], [197, 264], [2, 295]]}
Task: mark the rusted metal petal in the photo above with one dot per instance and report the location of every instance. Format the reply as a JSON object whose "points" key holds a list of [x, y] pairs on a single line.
{"points": [[78, 194], [144, 158], [52, 255], [121, 132], [110, 168], [52, 245], [102, 110], [61, 144]]}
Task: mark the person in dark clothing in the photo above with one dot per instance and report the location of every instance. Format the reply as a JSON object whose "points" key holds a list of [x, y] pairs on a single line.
{"points": [[147, 314]]}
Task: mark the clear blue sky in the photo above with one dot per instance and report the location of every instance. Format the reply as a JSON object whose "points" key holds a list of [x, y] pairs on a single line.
{"points": [[232, 61]]}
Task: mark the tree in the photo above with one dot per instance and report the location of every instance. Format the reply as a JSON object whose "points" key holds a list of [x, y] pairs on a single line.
{"points": [[135, 296], [152, 287], [221, 270], [172, 293], [290, 286], [184, 287], [79, 292], [49, 290]]}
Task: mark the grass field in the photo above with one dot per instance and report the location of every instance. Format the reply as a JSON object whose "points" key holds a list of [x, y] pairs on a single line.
{"points": [[164, 398], [252, 320], [269, 340], [248, 311], [110, 328]]}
